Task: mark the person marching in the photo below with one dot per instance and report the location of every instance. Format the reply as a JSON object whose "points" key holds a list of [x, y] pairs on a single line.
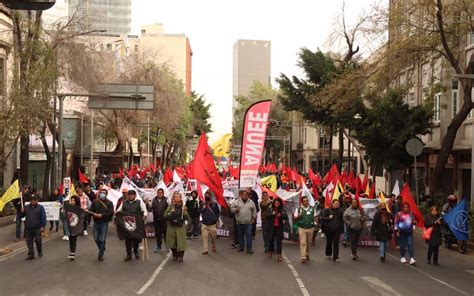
{"points": [[245, 215], [210, 213], [266, 211], [34, 225], [158, 207], [102, 211], [134, 206], [305, 216], [354, 219], [278, 218], [382, 229], [76, 202], [405, 221], [192, 204], [434, 220], [85, 203], [334, 226], [176, 214]]}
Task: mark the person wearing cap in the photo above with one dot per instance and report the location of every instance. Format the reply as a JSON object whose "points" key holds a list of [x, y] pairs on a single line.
{"points": [[102, 210], [34, 225], [134, 206]]}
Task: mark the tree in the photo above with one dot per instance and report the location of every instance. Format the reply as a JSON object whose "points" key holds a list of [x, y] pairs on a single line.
{"points": [[387, 124], [422, 30], [200, 114]]}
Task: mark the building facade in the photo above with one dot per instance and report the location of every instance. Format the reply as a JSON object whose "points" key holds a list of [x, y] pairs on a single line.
{"points": [[114, 16], [251, 62]]}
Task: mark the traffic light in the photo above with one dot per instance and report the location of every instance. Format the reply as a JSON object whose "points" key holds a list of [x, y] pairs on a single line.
{"points": [[29, 4]]}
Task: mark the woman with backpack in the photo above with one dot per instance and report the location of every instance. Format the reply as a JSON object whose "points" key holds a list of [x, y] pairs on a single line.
{"points": [[176, 214]]}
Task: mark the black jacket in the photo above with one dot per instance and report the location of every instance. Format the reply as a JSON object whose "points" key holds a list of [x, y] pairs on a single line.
{"points": [[382, 232], [35, 216], [283, 219], [193, 207], [336, 224], [436, 239], [210, 214], [104, 207], [158, 207]]}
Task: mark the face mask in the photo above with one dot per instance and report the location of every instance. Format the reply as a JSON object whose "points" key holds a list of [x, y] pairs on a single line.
{"points": [[102, 196], [208, 198]]}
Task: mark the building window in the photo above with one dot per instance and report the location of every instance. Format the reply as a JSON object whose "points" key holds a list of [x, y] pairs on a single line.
{"points": [[2, 77], [455, 98], [109, 46], [437, 107], [471, 39], [411, 99], [305, 135]]}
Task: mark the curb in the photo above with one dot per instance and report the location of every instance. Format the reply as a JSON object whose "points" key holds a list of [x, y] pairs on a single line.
{"points": [[4, 221]]}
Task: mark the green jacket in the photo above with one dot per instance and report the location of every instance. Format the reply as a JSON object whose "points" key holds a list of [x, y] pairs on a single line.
{"points": [[306, 219], [176, 236]]}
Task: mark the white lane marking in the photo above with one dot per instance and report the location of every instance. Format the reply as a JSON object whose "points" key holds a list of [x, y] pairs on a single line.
{"points": [[381, 287], [24, 248], [431, 277], [297, 277], [154, 275], [471, 271]]}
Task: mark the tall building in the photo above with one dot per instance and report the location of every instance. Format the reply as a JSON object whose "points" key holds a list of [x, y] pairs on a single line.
{"points": [[252, 62], [114, 16]]}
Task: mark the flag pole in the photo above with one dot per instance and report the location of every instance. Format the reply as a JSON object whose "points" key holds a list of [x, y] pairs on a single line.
{"points": [[21, 201]]}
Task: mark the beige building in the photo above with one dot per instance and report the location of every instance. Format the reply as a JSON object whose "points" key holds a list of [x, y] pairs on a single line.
{"points": [[252, 62]]}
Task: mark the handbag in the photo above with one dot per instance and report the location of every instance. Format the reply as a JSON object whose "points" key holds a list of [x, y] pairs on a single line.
{"points": [[427, 233]]}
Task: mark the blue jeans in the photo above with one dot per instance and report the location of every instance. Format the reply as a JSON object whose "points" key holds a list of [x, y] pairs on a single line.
{"points": [[406, 242], [100, 235], [266, 232], [65, 227], [18, 223], [245, 236], [383, 248]]}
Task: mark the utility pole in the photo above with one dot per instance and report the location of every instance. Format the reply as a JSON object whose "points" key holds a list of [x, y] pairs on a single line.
{"points": [[60, 137]]}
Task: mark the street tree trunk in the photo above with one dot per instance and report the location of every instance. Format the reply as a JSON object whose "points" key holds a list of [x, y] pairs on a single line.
{"points": [[49, 160], [24, 158], [331, 134]]}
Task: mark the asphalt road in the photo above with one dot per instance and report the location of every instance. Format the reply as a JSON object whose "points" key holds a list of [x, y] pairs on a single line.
{"points": [[226, 272]]}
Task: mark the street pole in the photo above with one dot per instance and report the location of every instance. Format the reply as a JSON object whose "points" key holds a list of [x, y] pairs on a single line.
{"points": [[92, 146], [53, 169], [148, 135], [60, 137], [472, 166], [416, 183]]}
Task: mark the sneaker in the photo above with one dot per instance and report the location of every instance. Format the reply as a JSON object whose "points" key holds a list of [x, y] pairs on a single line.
{"points": [[30, 257], [303, 261], [157, 249], [337, 260], [65, 238], [71, 256], [328, 257], [40, 254], [240, 250], [323, 235], [250, 252], [100, 258], [85, 233], [382, 259], [17, 240], [128, 258], [137, 255], [196, 237], [403, 260], [412, 261], [205, 253]]}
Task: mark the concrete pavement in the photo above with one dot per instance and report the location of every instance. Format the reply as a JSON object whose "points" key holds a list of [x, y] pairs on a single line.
{"points": [[228, 272]]}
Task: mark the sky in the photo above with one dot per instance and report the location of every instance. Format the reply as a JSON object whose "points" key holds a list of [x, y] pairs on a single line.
{"points": [[213, 26]]}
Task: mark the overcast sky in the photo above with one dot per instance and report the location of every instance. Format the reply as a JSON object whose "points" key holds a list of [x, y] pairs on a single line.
{"points": [[213, 26]]}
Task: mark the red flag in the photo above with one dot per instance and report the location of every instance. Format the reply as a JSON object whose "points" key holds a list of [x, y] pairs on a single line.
{"points": [[350, 179], [61, 189], [82, 178], [332, 175], [372, 190], [143, 174], [180, 172], [204, 170], [121, 173], [234, 172], [199, 190], [343, 178], [270, 193], [365, 182], [357, 191], [168, 176], [407, 197], [131, 173]]}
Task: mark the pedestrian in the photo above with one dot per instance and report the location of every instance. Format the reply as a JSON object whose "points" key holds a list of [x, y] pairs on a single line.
{"points": [[382, 229], [62, 217], [192, 204], [53, 198], [334, 226], [74, 201], [278, 218], [19, 204], [434, 220], [254, 197], [122, 198], [176, 214], [102, 210], [158, 207], [34, 225], [245, 215], [405, 221], [235, 236], [210, 213], [397, 207], [137, 207], [266, 211], [354, 219], [305, 217], [85, 203], [346, 204]]}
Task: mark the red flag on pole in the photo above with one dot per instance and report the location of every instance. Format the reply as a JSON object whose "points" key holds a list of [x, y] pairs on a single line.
{"points": [[332, 175], [204, 170], [168, 176], [82, 178]]}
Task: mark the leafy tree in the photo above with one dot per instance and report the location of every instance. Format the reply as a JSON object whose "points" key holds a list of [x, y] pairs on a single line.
{"points": [[200, 114], [385, 127]]}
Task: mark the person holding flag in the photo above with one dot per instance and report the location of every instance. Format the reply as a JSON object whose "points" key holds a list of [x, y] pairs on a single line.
{"points": [[176, 215], [405, 222], [102, 210], [458, 221], [305, 217], [382, 229], [433, 221], [136, 208]]}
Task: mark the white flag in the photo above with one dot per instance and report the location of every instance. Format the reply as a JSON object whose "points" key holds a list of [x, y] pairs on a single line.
{"points": [[396, 188]]}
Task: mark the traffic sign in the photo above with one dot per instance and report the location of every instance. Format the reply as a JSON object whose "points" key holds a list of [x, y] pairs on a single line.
{"points": [[123, 96], [414, 147]]}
